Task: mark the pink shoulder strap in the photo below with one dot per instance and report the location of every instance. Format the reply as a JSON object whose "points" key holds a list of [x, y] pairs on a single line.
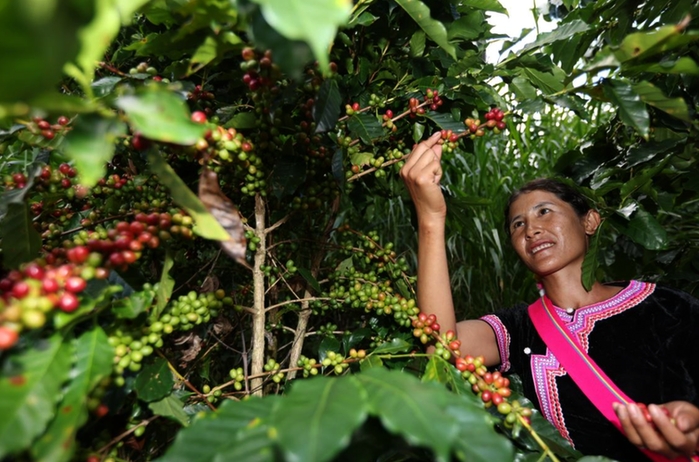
{"points": [[591, 380]]}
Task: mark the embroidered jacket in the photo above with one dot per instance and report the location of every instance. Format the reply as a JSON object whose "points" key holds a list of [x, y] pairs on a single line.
{"points": [[644, 338]]}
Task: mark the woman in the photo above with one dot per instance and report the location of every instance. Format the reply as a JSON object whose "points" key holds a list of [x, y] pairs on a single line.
{"points": [[641, 335]]}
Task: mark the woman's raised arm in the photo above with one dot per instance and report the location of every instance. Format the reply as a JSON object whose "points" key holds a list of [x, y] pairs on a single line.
{"points": [[422, 173]]}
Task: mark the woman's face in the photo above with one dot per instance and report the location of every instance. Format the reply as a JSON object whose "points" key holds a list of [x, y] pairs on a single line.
{"points": [[547, 233]]}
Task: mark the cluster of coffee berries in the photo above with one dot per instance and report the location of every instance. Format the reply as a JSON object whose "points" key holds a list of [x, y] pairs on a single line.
{"points": [[351, 109], [367, 284], [309, 365], [449, 141], [230, 147], [182, 314], [377, 101], [16, 180], [496, 115], [424, 326], [144, 68], [494, 120], [193, 309], [388, 120], [211, 397], [238, 377], [447, 346], [200, 94], [38, 288], [415, 107], [260, 74], [357, 354], [433, 99], [336, 361], [274, 368], [47, 130]]}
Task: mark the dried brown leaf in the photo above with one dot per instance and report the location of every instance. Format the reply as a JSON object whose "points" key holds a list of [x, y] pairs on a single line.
{"points": [[226, 213]]}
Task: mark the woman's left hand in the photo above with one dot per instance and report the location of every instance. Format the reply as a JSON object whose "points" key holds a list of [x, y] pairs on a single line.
{"points": [[673, 433]]}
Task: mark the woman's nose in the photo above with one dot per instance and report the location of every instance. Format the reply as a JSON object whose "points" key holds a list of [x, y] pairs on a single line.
{"points": [[531, 230]]}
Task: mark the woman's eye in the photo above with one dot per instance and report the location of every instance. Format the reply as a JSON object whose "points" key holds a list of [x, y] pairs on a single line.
{"points": [[517, 224], [544, 211]]}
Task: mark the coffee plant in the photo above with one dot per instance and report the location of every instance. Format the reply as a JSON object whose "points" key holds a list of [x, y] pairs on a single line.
{"points": [[208, 254]]}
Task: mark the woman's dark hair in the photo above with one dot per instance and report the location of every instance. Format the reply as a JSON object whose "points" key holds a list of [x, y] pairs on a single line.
{"points": [[563, 191]]}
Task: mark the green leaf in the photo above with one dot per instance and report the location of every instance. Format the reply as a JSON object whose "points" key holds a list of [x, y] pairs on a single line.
{"points": [[105, 85], [398, 399], [165, 286], [328, 106], [653, 96], [485, 5], [30, 390], [313, 282], [562, 32], [363, 19], [477, 440], [328, 344], [446, 121], [172, 408], [631, 109], [91, 145], [93, 362], [683, 65], [396, 345], [313, 21], [648, 151], [547, 83], [211, 48], [522, 88], [290, 55], [155, 381], [645, 230], [205, 224], [205, 53], [435, 370], [96, 37], [467, 27], [417, 44], [434, 29], [242, 120], [370, 362], [215, 434], [38, 38], [591, 262], [365, 127], [133, 305], [362, 158], [20, 241], [418, 131], [162, 116], [643, 44], [330, 409]]}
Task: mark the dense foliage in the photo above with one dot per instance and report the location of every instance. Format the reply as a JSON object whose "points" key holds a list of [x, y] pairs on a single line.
{"points": [[202, 207]]}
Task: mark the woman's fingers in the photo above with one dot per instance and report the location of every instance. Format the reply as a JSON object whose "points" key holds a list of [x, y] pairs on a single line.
{"points": [[425, 150], [660, 435], [675, 438], [627, 425]]}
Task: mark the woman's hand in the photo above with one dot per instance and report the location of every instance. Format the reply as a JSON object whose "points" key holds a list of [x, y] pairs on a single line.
{"points": [[421, 174], [673, 433]]}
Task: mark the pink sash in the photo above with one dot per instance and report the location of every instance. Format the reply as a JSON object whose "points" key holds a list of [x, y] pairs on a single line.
{"points": [[591, 380]]}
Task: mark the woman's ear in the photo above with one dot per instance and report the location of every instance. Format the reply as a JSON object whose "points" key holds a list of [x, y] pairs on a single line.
{"points": [[591, 221]]}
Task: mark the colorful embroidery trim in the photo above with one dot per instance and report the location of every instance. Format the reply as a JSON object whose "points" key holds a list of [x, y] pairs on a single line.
{"points": [[503, 339], [546, 368]]}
